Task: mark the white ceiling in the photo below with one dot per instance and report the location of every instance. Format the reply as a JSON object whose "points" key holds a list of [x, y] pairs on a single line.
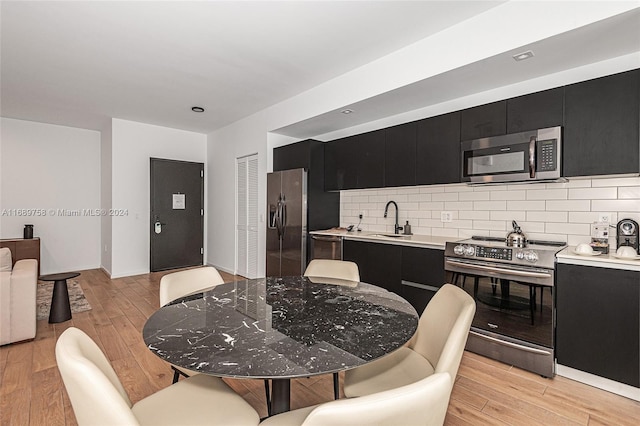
{"points": [[80, 63]]}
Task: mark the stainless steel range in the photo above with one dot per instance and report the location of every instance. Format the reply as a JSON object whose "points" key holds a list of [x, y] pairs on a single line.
{"points": [[513, 288]]}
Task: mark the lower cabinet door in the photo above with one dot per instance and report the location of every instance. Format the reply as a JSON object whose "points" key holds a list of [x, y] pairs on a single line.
{"points": [[598, 321], [379, 264], [417, 294]]}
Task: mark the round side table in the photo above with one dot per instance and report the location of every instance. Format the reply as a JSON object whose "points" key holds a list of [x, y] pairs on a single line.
{"points": [[60, 307]]}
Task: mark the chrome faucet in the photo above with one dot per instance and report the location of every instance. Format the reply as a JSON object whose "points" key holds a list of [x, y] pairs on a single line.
{"points": [[396, 228]]}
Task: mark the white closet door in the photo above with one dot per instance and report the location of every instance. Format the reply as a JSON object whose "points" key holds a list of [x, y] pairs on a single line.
{"points": [[247, 216], [252, 217]]}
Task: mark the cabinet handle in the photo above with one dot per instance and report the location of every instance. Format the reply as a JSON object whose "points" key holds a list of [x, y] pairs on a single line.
{"points": [[509, 344], [329, 239], [420, 286], [487, 268]]}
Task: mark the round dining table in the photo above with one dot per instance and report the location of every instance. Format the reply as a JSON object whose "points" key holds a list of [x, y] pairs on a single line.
{"points": [[280, 328]]}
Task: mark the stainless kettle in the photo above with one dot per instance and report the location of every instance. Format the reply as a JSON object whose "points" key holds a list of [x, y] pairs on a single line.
{"points": [[516, 238]]}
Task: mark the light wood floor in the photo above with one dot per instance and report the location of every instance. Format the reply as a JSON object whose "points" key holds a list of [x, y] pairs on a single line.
{"points": [[485, 392]]}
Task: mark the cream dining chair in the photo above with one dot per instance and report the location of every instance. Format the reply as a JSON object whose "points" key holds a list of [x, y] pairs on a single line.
{"points": [[436, 347], [338, 272], [98, 397], [421, 403], [182, 283]]}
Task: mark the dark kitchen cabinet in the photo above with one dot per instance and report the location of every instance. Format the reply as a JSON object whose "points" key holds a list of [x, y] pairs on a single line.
{"points": [[340, 164], [370, 160], [438, 149], [414, 273], [598, 321], [536, 111], [355, 162], [601, 129], [379, 264], [601, 136], [298, 155], [422, 275], [323, 208], [484, 121], [400, 155]]}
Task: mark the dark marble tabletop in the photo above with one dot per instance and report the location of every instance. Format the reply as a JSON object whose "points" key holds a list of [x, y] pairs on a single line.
{"points": [[280, 328]]}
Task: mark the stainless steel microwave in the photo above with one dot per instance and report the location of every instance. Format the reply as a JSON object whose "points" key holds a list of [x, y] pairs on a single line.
{"points": [[517, 157]]}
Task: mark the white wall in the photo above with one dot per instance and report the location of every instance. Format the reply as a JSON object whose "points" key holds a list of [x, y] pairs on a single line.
{"points": [[133, 144], [56, 170], [243, 138], [106, 175]]}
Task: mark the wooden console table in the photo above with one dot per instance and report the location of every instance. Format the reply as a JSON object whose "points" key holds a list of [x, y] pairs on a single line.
{"points": [[23, 249]]}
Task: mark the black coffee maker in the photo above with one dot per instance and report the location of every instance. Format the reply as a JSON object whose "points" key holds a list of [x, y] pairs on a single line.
{"points": [[627, 233]]}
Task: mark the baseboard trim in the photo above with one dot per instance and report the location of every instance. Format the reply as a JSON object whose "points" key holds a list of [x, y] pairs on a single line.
{"points": [[598, 382], [220, 268], [107, 273]]}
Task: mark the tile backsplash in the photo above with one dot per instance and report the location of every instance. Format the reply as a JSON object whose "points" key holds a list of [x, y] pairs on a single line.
{"points": [[551, 211]]}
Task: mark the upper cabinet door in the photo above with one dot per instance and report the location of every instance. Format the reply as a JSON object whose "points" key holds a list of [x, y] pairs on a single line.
{"points": [[355, 162], [484, 121], [400, 155], [602, 120], [438, 149], [370, 159], [535, 111], [292, 156], [340, 165]]}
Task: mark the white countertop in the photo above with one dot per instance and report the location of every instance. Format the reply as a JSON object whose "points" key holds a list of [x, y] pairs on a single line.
{"points": [[601, 261], [426, 241]]}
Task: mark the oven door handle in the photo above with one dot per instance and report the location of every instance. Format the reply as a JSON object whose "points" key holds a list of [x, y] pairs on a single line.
{"points": [[487, 268], [509, 344]]}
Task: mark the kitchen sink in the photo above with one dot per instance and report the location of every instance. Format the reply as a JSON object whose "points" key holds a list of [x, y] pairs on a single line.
{"points": [[390, 235]]}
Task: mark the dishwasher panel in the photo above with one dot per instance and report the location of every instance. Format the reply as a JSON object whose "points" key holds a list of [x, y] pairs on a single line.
{"points": [[326, 247]]}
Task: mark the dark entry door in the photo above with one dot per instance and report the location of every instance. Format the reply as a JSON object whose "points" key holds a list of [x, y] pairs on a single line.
{"points": [[177, 214]]}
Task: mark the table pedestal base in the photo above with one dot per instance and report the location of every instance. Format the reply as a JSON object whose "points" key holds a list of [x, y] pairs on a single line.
{"points": [[60, 306], [280, 396]]}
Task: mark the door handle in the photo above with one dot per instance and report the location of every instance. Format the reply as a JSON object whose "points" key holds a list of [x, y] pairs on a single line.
{"points": [[532, 157], [273, 217], [278, 217], [284, 217], [157, 227]]}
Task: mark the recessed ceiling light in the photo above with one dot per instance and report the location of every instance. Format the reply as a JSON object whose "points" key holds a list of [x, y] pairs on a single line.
{"points": [[197, 109], [524, 55], [346, 111]]}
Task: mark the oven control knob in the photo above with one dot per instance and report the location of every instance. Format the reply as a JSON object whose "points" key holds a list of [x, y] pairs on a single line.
{"points": [[520, 255], [531, 256], [459, 250], [470, 250]]}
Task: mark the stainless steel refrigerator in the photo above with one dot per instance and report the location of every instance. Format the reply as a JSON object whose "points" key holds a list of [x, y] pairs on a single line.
{"points": [[287, 222]]}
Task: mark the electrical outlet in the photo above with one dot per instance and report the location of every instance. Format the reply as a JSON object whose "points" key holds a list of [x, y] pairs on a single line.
{"points": [[446, 217], [604, 217], [361, 215]]}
